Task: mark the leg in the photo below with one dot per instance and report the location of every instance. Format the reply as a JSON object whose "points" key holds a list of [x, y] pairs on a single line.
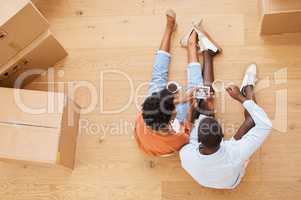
{"points": [[207, 106], [162, 60], [208, 70], [169, 29], [194, 73], [192, 49], [248, 123], [195, 76]]}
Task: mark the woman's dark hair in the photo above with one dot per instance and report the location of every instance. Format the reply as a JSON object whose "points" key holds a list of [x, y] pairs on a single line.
{"points": [[157, 109], [210, 133]]}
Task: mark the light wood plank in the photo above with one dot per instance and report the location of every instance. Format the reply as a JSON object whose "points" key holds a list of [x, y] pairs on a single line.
{"points": [[123, 35]]}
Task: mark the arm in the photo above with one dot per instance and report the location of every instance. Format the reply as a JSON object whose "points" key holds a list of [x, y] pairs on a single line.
{"points": [[188, 124], [256, 136], [244, 128], [253, 139], [190, 111], [248, 122]]}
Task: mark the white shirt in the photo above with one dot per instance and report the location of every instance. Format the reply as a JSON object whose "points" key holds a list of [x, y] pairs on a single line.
{"points": [[225, 168]]}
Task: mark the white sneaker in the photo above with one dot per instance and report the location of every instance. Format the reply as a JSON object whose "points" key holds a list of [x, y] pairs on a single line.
{"points": [[205, 44], [205, 41], [250, 76], [185, 38]]}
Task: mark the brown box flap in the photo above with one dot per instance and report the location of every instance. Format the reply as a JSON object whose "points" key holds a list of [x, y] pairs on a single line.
{"points": [[27, 143], [11, 8], [34, 108], [34, 56], [279, 6], [69, 134], [20, 24]]}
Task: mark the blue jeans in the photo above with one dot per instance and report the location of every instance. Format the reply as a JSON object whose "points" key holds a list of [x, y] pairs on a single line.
{"points": [[160, 78]]}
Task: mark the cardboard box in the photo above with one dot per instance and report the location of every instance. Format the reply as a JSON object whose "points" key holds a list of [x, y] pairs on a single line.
{"points": [[280, 16], [42, 53], [20, 24], [38, 127]]}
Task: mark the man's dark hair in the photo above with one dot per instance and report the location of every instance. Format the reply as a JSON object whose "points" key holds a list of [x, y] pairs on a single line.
{"points": [[157, 109], [210, 133]]}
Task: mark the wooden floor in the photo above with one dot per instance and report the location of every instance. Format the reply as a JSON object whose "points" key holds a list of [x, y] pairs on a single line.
{"points": [[103, 35]]}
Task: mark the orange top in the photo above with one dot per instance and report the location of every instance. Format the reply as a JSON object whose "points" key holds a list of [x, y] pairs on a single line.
{"points": [[156, 144]]}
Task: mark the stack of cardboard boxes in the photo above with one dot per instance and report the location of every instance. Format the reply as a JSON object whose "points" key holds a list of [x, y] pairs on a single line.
{"points": [[25, 41], [280, 16], [35, 126]]}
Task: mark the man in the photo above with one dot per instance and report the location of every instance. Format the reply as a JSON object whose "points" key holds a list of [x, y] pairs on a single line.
{"points": [[161, 126], [216, 163]]}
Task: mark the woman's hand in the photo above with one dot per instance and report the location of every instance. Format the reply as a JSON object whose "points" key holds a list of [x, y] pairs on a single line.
{"points": [[187, 97]]}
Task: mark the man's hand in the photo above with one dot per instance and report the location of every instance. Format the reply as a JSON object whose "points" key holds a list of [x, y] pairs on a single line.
{"points": [[234, 92]]}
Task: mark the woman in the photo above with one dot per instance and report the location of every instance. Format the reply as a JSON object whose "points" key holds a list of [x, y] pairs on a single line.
{"points": [[163, 126]]}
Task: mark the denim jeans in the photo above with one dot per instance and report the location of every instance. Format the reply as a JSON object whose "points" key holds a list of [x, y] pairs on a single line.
{"points": [[160, 78]]}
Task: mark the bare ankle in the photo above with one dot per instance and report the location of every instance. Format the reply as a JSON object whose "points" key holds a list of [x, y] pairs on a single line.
{"points": [[170, 22], [193, 39], [192, 43], [248, 92]]}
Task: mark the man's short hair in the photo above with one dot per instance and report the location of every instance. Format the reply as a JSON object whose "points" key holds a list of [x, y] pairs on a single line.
{"points": [[210, 133], [157, 109]]}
